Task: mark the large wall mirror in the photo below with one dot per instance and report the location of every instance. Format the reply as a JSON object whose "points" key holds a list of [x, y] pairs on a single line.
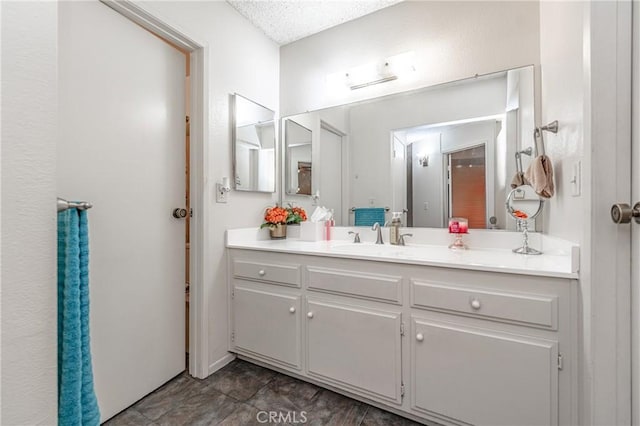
{"points": [[254, 143], [432, 153]]}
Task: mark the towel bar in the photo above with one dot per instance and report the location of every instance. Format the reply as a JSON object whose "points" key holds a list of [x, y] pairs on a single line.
{"points": [[63, 205], [353, 209]]}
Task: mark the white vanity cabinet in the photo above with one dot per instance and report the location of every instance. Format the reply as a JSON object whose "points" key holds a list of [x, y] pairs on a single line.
{"points": [[445, 345], [483, 377], [267, 323], [355, 348]]}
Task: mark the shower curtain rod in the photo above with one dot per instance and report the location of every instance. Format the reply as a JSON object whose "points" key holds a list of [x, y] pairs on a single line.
{"points": [[66, 205]]}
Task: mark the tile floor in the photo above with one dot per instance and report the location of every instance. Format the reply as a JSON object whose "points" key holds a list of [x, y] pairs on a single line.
{"points": [[235, 395]]}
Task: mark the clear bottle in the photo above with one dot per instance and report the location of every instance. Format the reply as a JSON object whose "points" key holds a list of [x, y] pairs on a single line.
{"points": [[394, 228]]}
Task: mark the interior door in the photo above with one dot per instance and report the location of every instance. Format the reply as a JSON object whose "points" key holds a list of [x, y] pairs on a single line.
{"points": [[635, 228], [331, 183], [122, 147]]}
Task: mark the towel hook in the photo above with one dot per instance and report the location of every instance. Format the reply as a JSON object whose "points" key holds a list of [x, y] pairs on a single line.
{"points": [[551, 127]]}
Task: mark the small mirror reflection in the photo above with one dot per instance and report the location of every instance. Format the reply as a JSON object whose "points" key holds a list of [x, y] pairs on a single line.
{"points": [[254, 159], [523, 203], [298, 158]]}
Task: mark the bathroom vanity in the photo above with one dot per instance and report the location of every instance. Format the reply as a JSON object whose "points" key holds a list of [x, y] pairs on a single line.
{"points": [[484, 336]]}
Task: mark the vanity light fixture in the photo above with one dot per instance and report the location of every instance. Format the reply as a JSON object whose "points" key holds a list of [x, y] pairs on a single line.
{"points": [[389, 69]]}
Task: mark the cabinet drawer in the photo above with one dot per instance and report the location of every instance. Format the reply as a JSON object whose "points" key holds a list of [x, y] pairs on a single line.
{"points": [[277, 273], [380, 287], [531, 309]]}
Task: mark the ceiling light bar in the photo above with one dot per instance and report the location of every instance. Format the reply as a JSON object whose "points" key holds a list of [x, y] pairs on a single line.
{"points": [[371, 83]]}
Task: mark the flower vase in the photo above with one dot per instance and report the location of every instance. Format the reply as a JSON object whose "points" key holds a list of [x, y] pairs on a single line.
{"points": [[278, 232]]}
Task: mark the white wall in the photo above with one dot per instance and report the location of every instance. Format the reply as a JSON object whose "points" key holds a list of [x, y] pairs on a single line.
{"points": [[29, 132], [428, 183], [563, 100], [242, 60], [452, 40]]}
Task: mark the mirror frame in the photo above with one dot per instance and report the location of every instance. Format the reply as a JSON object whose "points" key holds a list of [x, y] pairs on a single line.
{"points": [[234, 154]]}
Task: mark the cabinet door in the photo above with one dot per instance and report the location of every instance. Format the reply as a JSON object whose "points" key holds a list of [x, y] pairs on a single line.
{"points": [[355, 348], [267, 324], [483, 377]]}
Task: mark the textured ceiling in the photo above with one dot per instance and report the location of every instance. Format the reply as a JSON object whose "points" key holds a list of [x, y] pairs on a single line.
{"points": [[285, 21]]}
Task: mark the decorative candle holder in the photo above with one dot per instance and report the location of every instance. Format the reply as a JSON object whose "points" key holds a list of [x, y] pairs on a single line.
{"points": [[458, 226]]}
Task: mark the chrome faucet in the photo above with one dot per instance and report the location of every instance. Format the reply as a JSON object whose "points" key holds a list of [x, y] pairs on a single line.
{"points": [[376, 227], [356, 236], [401, 241]]}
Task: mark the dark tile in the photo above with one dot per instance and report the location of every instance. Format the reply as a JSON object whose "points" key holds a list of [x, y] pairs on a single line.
{"points": [[244, 415], [377, 417], [240, 379], [329, 408], [169, 396], [129, 417], [284, 393], [206, 408]]}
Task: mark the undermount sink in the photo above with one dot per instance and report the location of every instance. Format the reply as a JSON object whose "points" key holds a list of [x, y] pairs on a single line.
{"points": [[369, 249]]}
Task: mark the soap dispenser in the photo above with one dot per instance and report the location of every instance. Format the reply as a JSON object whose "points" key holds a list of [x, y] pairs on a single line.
{"points": [[394, 229]]}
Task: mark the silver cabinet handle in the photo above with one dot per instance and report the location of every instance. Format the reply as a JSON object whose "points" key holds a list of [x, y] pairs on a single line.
{"points": [[292, 310], [262, 272], [475, 304], [309, 314], [419, 337]]}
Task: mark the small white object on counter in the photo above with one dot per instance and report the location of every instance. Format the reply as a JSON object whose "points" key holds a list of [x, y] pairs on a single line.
{"points": [[312, 231]]}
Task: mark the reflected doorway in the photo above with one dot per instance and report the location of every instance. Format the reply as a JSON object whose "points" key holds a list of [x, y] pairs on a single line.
{"points": [[467, 185]]}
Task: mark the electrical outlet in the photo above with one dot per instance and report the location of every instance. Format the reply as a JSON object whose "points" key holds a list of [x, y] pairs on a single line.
{"points": [[575, 179], [222, 196]]}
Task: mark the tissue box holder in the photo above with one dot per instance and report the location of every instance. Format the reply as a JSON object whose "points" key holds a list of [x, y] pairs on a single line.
{"points": [[311, 231]]}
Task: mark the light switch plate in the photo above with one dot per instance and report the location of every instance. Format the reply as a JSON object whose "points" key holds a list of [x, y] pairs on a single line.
{"points": [[575, 178], [221, 196]]}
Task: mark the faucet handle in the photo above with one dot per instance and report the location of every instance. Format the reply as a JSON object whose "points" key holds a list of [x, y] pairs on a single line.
{"points": [[401, 238], [356, 238]]}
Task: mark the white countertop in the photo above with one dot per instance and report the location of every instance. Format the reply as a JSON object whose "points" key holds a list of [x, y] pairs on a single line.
{"points": [[560, 259]]}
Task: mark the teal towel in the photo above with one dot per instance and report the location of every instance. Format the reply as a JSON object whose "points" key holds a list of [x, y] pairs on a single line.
{"points": [[77, 402], [367, 216]]}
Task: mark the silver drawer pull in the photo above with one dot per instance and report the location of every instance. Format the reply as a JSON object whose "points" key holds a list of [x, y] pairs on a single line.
{"points": [[419, 337], [262, 272], [310, 315], [475, 304], [292, 310]]}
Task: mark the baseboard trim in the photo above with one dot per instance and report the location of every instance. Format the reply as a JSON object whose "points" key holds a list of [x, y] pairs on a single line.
{"points": [[221, 363]]}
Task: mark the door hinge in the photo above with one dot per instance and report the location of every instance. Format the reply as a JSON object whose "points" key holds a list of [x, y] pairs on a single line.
{"points": [[233, 294], [233, 336], [402, 390], [560, 362], [402, 329]]}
